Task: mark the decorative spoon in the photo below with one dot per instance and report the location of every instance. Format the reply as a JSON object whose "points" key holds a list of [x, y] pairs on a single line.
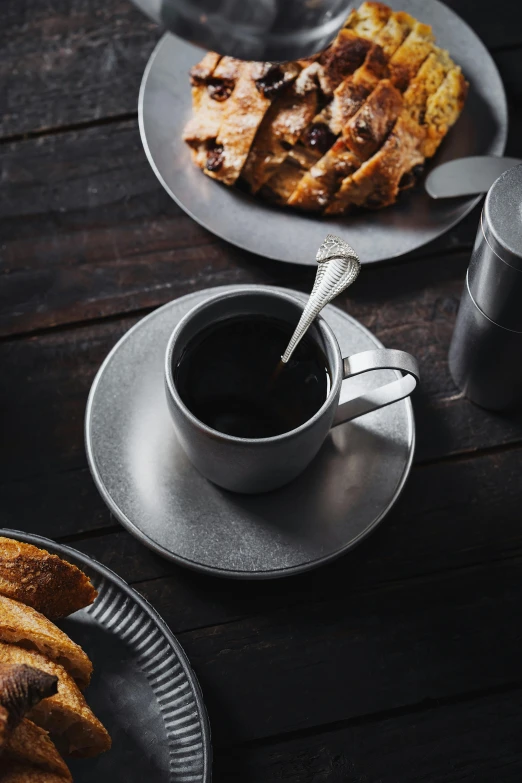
{"points": [[339, 266]]}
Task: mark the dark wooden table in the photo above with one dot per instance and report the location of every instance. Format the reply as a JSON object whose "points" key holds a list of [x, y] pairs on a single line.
{"points": [[399, 663]]}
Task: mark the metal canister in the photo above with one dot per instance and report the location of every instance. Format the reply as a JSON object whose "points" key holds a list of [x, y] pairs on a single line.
{"points": [[485, 357]]}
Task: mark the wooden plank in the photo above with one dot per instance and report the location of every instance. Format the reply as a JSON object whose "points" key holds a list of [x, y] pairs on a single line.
{"points": [[443, 521], [87, 231], [355, 655], [478, 740], [67, 63], [63, 63], [47, 378], [292, 655]]}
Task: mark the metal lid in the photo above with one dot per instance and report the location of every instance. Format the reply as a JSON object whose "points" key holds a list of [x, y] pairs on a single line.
{"points": [[502, 217]]}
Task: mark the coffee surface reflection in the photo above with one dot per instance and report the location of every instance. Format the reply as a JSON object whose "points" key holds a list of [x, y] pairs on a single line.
{"points": [[230, 377]]}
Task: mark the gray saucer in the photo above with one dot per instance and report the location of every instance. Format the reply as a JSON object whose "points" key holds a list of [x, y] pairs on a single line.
{"points": [[142, 689], [151, 487], [286, 235]]}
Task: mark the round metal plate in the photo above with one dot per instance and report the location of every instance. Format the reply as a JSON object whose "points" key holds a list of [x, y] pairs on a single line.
{"points": [[151, 487], [284, 235], [142, 689]]}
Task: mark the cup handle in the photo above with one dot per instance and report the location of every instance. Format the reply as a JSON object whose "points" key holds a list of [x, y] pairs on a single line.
{"points": [[350, 407]]}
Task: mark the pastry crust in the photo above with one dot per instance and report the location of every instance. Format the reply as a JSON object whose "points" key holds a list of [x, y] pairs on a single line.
{"points": [[368, 19], [315, 189], [280, 129], [376, 183], [212, 81], [410, 55], [426, 82], [347, 128], [255, 88], [341, 59], [25, 627], [22, 687], [65, 714], [29, 744], [396, 29], [49, 584], [351, 94], [366, 130], [443, 109]]}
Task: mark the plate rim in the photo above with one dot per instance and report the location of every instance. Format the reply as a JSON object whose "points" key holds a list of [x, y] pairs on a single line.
{"points": [[468, 206], [107, 573], [278, 573]]}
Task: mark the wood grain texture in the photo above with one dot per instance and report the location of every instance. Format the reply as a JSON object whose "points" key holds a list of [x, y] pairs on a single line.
{"points": [[107, 239], [46, 378], [399, 662], [356, 654], [87, 231], [63, 63], [478, 741], [443, 521]]}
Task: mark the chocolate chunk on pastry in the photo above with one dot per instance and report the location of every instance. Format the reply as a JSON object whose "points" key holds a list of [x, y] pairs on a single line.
{"points": [[317, 187], [66, 714], [367, 129], [348, 127], [376, 183], [23, 626], [22, 687], [351, 94]]}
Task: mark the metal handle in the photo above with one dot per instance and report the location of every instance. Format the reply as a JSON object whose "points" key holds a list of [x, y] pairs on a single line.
{"points": [[381, 359]]}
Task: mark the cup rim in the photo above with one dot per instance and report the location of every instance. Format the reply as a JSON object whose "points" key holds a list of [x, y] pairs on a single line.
{"points": [[319, 321]]}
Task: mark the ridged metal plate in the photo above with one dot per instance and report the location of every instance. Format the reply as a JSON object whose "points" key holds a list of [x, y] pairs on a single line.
{"points": [[291, 236], [142, 689]]}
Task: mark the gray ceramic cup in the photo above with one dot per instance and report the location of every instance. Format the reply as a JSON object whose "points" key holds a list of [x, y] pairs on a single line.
{"points": [[257, 465]]}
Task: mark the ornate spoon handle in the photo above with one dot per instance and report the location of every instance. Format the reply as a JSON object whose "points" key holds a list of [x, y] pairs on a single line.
{"points": [[339, 266]]}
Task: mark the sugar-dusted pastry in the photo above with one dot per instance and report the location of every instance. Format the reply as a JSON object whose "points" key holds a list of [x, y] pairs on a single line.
{"points": [[46, 582], [349, 127], [280, 129], [317, 186], [351, 94], [365, 132], [376, 183], [368, 19]]}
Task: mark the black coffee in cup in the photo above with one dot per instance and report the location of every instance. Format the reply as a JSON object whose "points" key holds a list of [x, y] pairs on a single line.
{"points": [[230, 377]]}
